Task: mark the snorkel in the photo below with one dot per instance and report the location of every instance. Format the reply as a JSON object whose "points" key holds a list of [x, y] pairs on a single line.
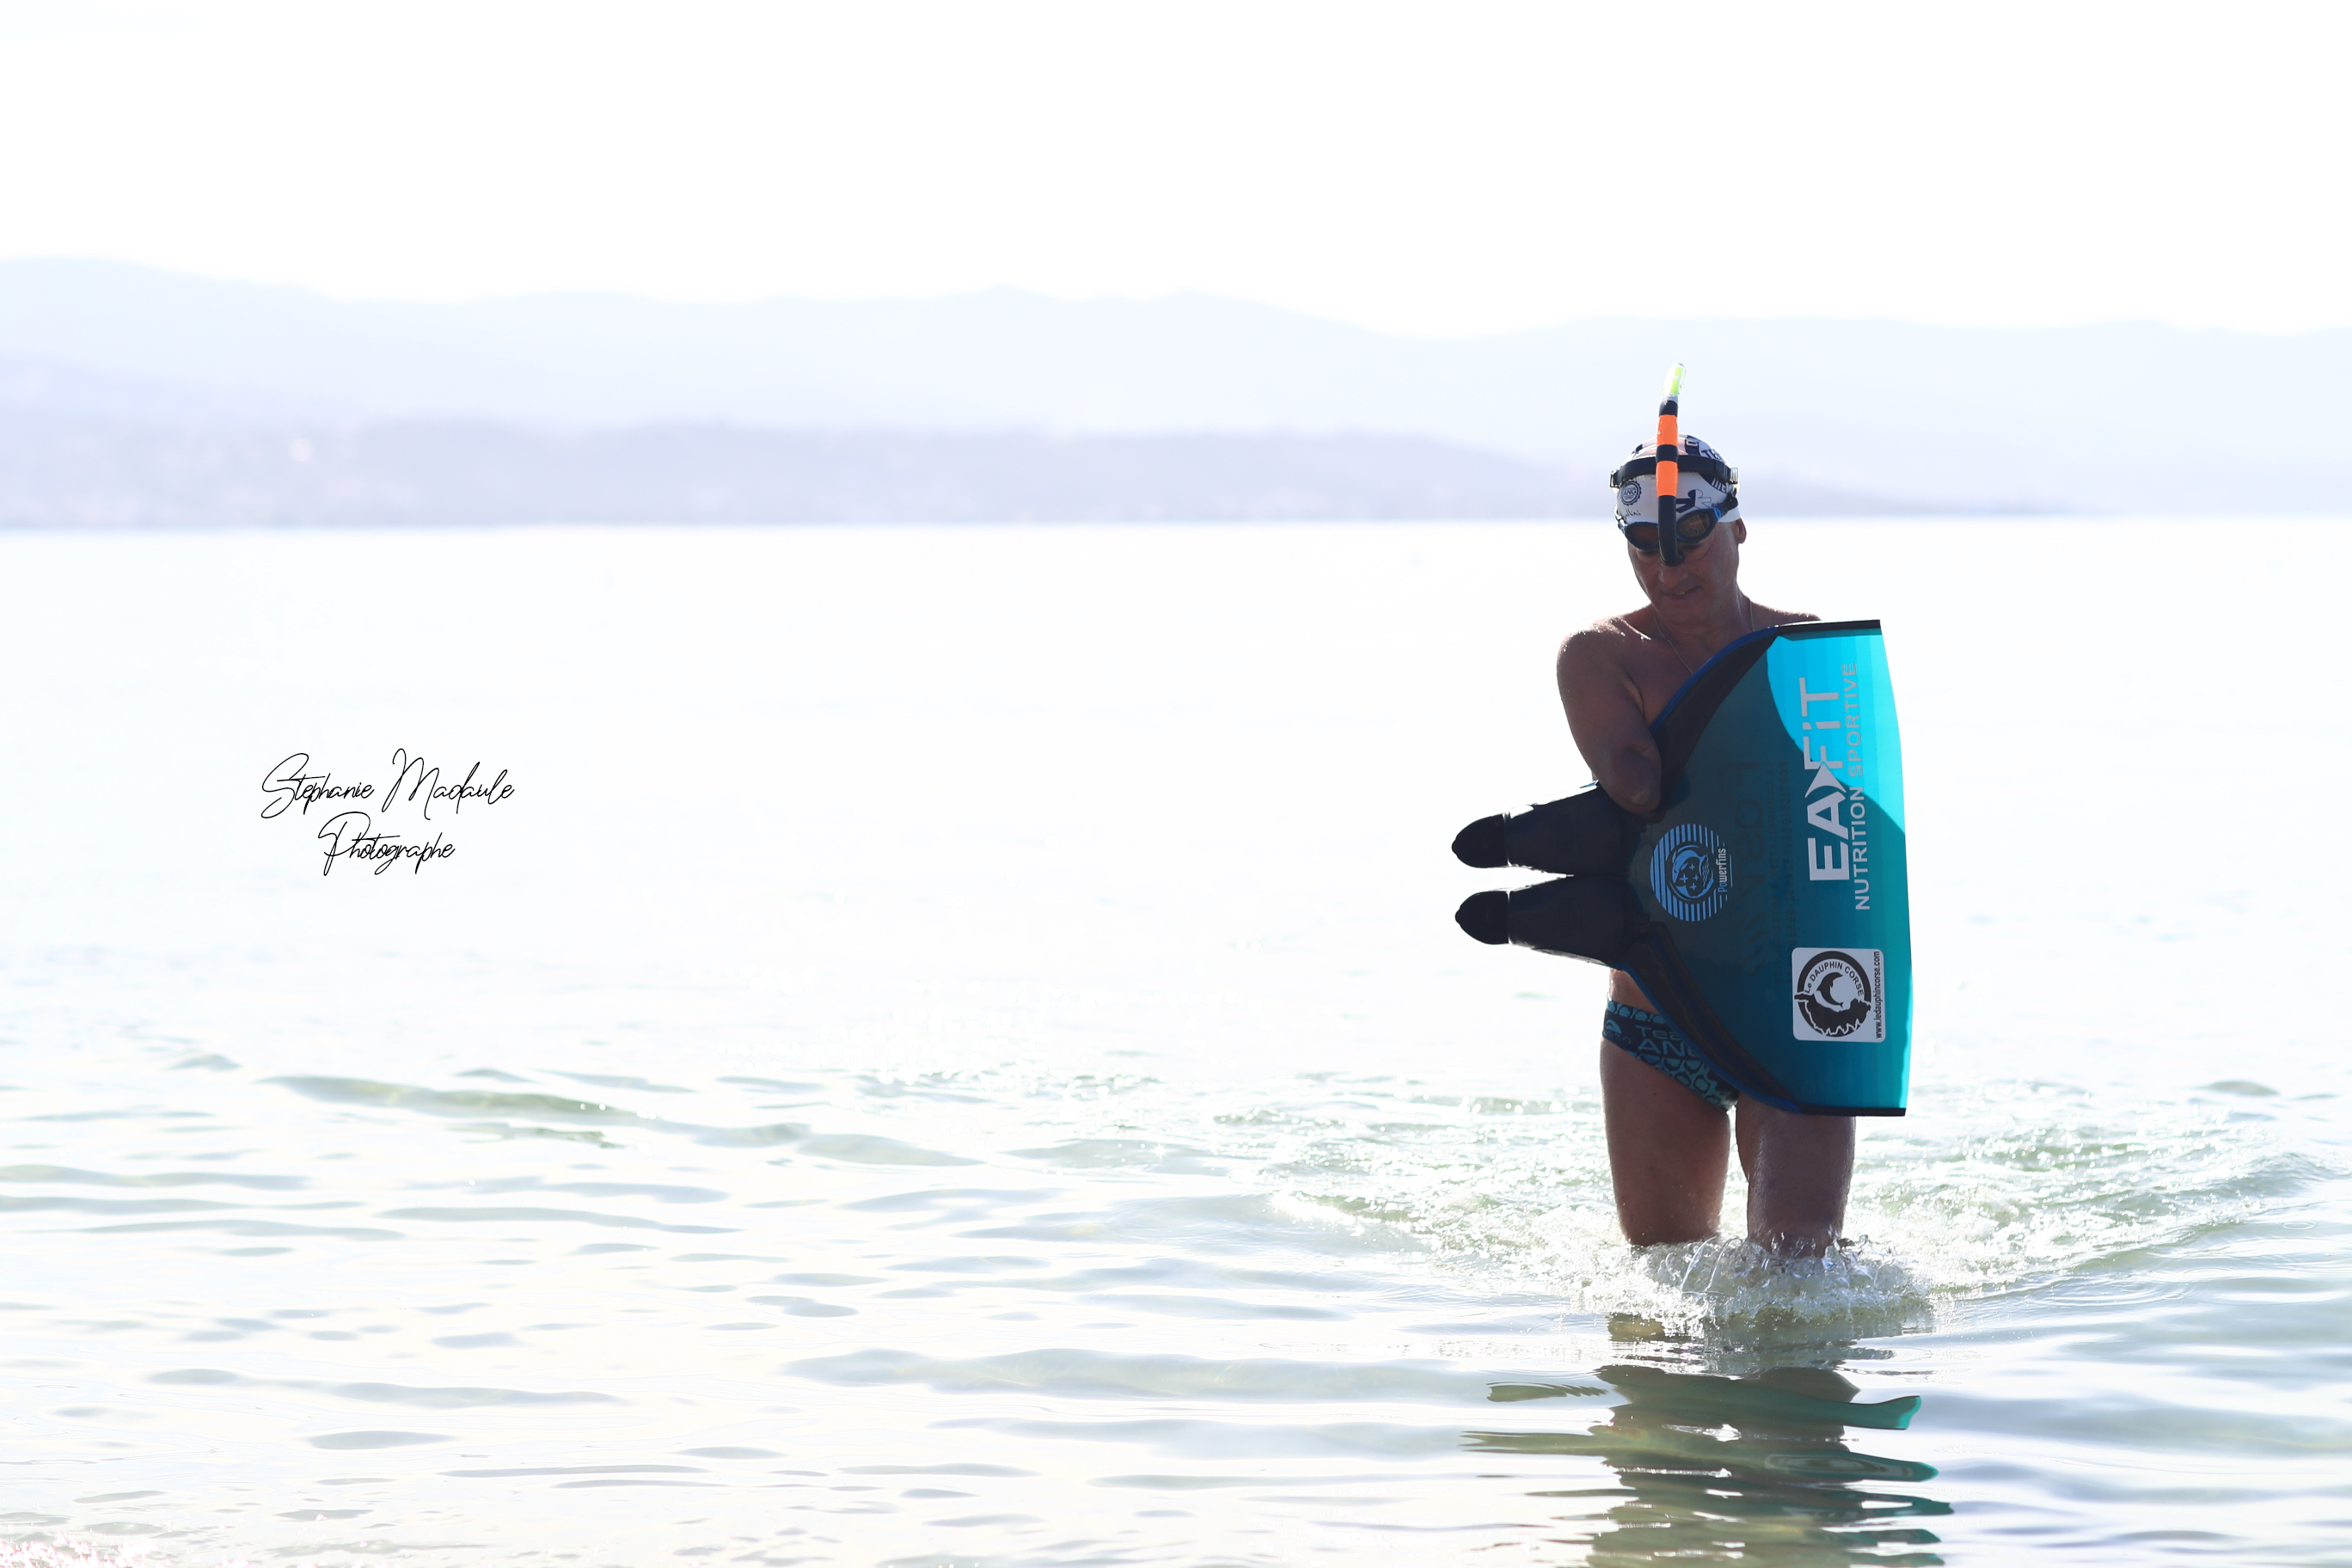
{"points": [[1669, 479], [1675, 461]]}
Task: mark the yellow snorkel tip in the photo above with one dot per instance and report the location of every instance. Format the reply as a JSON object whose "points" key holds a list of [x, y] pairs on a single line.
{"points": [[1673, 392]]}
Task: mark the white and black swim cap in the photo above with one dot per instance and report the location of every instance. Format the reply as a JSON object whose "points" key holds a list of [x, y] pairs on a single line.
{"points": [[1706, 483]]}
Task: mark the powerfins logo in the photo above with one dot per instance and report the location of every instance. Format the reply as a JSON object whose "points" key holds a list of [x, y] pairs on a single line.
{"points": [[1833, 800], [1690, 871], [1841, 992]]}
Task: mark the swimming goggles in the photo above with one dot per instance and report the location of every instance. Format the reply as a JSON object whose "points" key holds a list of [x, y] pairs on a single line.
{"points": [[1690, 527]]}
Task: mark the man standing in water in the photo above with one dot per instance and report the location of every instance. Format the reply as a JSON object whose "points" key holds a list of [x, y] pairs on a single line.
{"points": [[1670, 1116]]}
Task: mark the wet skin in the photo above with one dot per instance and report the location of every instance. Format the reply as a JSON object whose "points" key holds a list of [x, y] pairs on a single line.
{"points": [[1669, 1149]]}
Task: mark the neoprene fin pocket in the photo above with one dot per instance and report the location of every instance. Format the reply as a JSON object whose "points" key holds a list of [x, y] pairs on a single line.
{"points": [[1590, 918], [1764, 909], [1584, 835]]}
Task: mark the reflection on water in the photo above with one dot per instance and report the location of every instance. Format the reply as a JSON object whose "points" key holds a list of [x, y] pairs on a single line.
{"points": [[1783, 1487]]}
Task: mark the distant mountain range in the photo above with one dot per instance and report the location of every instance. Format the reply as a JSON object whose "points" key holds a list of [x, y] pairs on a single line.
{"points": [[131, 395], [422, 472]]}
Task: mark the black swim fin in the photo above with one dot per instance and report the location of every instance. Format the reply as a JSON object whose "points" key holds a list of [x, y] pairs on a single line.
{"points": [[1585, 834], [1590, 918]]}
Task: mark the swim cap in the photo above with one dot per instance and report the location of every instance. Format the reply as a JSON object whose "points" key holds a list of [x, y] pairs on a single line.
{"points": [[1708, 483]]}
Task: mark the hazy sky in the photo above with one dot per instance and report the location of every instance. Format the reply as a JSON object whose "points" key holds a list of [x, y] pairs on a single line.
{"points": [[1429, 168]]}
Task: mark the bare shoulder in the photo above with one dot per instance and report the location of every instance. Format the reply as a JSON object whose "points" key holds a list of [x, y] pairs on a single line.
{"points": [[1601, 645], [1765, 616], [1598, 652]]}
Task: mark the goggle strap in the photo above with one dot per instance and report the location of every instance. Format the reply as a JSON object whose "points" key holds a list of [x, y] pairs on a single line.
{"points": [[1709, 468], [1691, 508]]}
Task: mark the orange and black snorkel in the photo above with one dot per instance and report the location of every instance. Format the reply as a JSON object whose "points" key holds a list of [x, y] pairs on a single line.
{"points": [[1668, 480], [1685, 517]]}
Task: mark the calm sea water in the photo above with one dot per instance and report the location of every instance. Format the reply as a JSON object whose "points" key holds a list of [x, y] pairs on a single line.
{"points": [[956, 1051]]}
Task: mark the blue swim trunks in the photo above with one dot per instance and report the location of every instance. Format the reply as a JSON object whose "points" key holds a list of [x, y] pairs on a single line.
{"points": [[1656, 1041]]}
